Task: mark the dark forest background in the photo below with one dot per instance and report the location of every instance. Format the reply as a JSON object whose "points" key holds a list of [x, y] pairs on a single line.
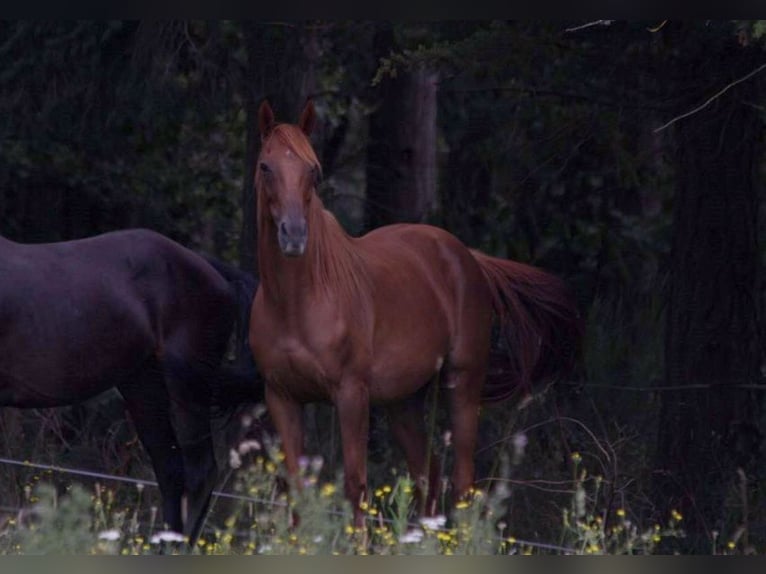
{"points": [[625, 157]]}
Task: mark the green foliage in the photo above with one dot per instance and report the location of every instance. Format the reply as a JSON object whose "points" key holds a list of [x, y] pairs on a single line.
{"points": [[262, 523], [56, 525]]}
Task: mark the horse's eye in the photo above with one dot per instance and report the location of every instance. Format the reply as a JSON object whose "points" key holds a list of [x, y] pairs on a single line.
{"points": [[264, 168], [317, 175]]}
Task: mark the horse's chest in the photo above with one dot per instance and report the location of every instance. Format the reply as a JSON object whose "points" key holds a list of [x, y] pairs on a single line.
{"points": [[300, 369]]}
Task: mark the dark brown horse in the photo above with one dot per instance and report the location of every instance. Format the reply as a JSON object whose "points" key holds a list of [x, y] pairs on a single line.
{"points": [[374, 319], [133, 310]]}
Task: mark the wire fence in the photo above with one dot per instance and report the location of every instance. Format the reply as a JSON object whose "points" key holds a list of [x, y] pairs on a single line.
{"points": [[240, 497]]}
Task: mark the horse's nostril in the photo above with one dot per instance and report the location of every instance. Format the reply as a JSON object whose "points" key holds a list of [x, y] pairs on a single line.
{"points": [[283, 228]]}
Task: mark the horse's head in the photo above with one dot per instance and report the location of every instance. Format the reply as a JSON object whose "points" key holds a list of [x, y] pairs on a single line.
{"points": [[287, 175]]}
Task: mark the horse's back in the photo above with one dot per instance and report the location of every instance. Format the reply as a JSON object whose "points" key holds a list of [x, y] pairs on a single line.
{"points": [[77, 316]]}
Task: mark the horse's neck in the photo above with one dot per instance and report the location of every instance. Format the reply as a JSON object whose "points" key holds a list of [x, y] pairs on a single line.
{"points": [[328, 270]]}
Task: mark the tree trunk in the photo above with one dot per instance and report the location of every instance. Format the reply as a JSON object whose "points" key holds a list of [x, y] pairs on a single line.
{"points": [[710, 430], [401, 150]]}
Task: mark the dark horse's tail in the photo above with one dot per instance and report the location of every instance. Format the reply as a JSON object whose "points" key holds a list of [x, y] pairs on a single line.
{"points": [[541, 327], [238, 380]]}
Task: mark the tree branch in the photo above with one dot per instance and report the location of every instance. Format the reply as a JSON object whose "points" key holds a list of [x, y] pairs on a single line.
{"points": [[711, 99]]}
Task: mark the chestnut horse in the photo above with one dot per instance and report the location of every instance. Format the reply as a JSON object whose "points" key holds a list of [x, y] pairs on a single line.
{"points": [[374, 319], [137, 311]]}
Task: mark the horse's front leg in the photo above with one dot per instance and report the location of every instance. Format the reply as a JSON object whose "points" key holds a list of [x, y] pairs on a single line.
{"points": [[287, 416], [353, 405]]}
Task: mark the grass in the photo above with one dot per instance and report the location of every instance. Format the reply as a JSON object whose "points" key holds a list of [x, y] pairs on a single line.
{"points": [[102, 521]]}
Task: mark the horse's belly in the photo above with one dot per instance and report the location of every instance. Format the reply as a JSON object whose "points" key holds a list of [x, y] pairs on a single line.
{"points": [[43, 367], [41, 390], [391, 380]]}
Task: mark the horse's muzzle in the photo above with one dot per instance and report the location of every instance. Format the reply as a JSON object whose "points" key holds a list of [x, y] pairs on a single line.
{"points": [[292, 237]]}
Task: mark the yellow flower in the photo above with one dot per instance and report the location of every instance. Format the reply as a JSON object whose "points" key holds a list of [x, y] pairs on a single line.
{"points": [[386, 489], [461, 505], [349, 529], [621, 512], [731, 545], [576, 457], [328, 489], [676, 515]]}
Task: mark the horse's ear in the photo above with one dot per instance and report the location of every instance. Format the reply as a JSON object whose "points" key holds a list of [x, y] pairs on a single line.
{"points": [[308, 118], [265, 119]]}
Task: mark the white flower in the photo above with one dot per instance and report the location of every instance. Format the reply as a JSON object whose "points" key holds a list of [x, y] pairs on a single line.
{"points": [[433, 522], [112, 534], [411, 537], [248, 445], [167, 536], [235, 461]]}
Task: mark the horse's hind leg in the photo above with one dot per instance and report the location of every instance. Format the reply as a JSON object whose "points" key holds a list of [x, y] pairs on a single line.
{"points": [[147, 401], [408, 429], [464, 394]]}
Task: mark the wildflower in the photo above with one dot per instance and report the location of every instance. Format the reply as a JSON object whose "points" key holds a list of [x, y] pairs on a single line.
{"points": [[676, 515], [621, 512], [386, 489], [167, 536], [248, 445], [731, 545], [328, 489], [235, 461], [576, 457], [433, 522], [411, 537], [316, 464], [112, 534], [520, 442], [461, 505]]}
